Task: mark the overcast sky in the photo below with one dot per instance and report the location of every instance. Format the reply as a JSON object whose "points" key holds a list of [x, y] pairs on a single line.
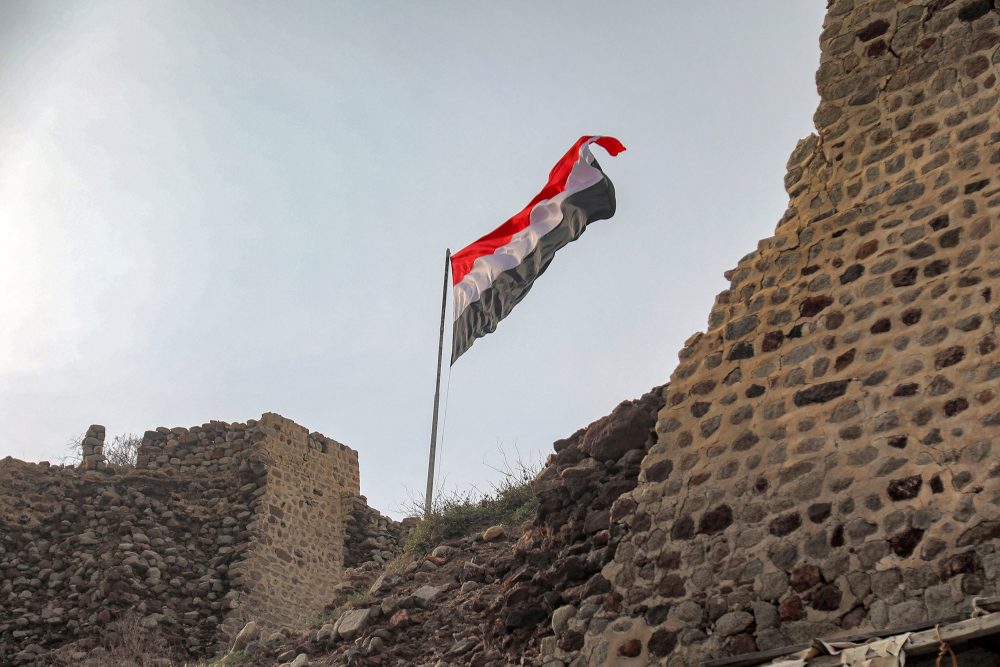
{"points": [[215, 210]]}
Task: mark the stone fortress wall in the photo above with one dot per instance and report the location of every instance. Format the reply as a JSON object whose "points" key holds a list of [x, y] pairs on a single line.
{"points": [[216, 525], [827, 457]]}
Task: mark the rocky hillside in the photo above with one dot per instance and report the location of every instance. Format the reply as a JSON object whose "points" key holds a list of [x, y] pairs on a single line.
{"points": [[495, 596]]}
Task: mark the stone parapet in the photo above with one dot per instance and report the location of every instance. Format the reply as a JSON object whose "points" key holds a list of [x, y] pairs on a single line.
{"points": [[212, 447]]}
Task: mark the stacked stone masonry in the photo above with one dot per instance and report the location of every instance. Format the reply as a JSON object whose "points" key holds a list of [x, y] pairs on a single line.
{"points": [[92, 454], [370, 536], [214, 526], [827, 459], [298, 542], [81, 549]]}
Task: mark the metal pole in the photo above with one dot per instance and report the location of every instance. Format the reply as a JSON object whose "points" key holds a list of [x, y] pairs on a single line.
{"points": [[429, 497]]}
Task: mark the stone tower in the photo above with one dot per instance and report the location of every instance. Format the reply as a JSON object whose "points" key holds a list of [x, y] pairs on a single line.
{"points": [[828, 455]]}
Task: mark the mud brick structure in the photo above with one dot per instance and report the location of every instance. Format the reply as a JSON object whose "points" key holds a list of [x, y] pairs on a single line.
{"points": [[827, 458]]}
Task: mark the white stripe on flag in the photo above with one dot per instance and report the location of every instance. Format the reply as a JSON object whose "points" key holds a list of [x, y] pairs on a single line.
{"points": [[545, 216]]}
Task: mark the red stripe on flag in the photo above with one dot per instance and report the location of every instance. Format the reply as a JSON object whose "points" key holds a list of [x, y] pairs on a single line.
{"points": [[462, 261]]}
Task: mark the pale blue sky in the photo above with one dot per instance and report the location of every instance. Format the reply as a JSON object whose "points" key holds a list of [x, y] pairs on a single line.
{"points": [[213, 210]]}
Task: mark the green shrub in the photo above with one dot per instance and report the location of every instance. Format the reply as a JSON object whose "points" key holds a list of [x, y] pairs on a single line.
{"points": [[231, 659], [511, 501], [235, 658]]}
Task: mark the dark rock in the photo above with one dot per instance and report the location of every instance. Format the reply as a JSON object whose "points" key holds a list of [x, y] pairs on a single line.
{"points": [[710, 426], [630, 648], [827, 598], [905, 488], [669, 560], [622, 507], [596, 521], [783, 525], [804, 577], [715, 520], [703, 387], [745, 441], [905, 543], [813, 305], [671, 586], [853, 618], [844, 360], [966, 562], [949, 356], [974, 10], [741, 327], [819, 512], [662, 643], [851, 274], [881, 326], [982, 532], [866, 249], [742, 350], [911, 316], [791, 609], [976, 186], [921, 250], [904, 277], [659, 471], [524, 616], [955, 406], [628, 427], [772, 341], [571, 641], [784, 556], [821, 393], [906, 193], [596, 585], [683, 528]]}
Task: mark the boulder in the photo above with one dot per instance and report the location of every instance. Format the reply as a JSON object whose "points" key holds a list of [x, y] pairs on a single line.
{"points": [[494, 533], [249, 633], [352, 623]]}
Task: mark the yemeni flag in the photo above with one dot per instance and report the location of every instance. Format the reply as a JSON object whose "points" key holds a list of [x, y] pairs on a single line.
{"points": [[492, 275]]}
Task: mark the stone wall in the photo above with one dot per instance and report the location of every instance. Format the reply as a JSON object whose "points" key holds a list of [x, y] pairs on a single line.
{"points": [[827, 456], [79, 549], [370, 536], [215, 525], [214, 447]]}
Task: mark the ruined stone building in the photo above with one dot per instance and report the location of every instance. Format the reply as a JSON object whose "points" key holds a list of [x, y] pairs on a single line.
{"points": [[215, 525]]}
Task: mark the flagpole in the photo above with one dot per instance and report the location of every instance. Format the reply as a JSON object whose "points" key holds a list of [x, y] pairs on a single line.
{"points": [[429, 497]]}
